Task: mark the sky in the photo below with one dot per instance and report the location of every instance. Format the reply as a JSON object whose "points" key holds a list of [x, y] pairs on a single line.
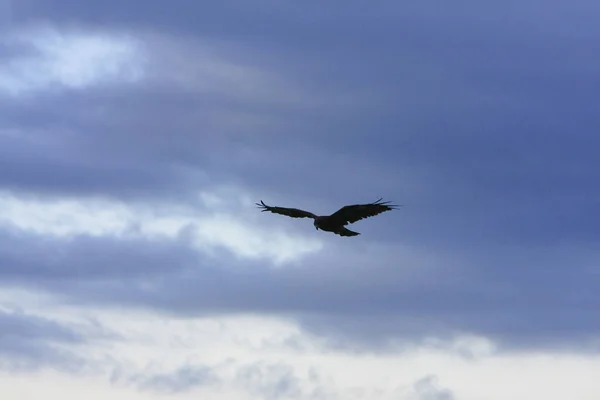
{"points": [[137, 136]]}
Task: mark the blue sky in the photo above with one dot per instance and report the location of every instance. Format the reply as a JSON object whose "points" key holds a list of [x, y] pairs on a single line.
{"points": [[135, 138]]}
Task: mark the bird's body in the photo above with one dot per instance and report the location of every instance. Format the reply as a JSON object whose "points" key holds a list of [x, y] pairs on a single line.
{"points": [[336, 222], [328, 224]]}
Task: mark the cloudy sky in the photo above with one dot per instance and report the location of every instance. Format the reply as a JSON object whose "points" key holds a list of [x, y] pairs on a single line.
{"points": [[136, 136]]}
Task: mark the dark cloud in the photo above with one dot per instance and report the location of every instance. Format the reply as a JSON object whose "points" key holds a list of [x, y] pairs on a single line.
{"points": [[29, 342], [354, 302], [84, 258], [479, 119]]}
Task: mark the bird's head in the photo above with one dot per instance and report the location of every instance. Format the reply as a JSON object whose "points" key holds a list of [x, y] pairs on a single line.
{"points": [[316, 224]]}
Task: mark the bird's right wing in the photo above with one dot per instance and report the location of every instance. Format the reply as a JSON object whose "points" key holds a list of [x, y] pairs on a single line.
{"points": [[290, 212], [352, 213]]}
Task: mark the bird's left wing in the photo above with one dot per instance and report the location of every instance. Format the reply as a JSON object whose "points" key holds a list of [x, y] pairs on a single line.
{"points": [[352, 213], [290, 212]]}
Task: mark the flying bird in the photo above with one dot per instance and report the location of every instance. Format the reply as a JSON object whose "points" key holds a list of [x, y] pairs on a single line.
{"points": [[337, 221]]}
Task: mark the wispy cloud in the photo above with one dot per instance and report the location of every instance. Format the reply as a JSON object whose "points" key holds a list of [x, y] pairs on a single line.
{"points": [[31, 342], [64, 218], [53, 59]]}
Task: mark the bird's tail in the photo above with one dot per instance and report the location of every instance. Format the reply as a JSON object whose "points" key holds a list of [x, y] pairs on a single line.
{"points": [[347, 232]]}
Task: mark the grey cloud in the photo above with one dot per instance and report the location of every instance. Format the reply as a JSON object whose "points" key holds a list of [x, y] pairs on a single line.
{"points": [[48, 174], [456, 183], [262, 379], [484, 130], [427, 388], [30, 342], [272, 381], [182, 380], [356, 304], [29, 327], [84, 258], [314, 21], [6, 13]]}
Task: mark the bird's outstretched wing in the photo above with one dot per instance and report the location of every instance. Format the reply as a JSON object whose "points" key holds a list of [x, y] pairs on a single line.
{"points": [[290, 212], [356, 212]]}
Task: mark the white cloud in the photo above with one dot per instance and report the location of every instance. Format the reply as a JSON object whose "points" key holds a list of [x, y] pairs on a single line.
{"points": [[159, 352], [207, 228], [69, 59]]}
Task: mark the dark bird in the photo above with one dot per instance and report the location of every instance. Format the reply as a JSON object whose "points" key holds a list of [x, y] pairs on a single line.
{"points": [[337, 221]]}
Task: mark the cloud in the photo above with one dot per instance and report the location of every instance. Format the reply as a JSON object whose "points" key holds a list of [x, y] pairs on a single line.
{"points": [[136, 137], [270, 381], [183, 379], [71, 60], [30, 342], [197, 260], [426, 388], [63, 218], [218, 357], [6, 14], [147, 258]]}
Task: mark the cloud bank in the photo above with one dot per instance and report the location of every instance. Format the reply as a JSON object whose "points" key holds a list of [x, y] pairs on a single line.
{"points": [[136, 137]]}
